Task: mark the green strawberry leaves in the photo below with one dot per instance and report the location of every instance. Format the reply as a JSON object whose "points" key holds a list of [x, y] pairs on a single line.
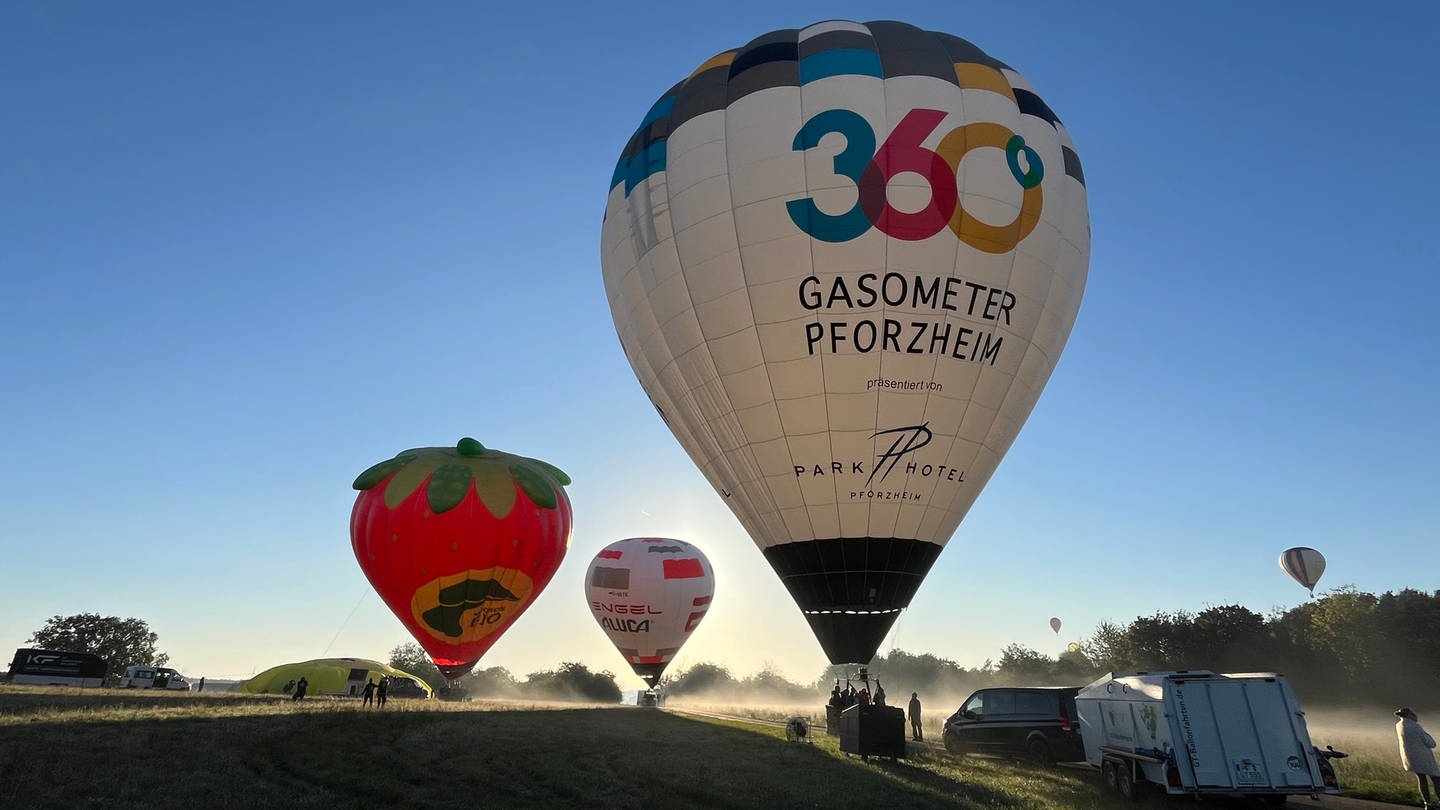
{"points": [[450, 471]]}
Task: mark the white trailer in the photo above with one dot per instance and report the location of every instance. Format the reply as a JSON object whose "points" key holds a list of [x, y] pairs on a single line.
{"points": [[1199, 733]]}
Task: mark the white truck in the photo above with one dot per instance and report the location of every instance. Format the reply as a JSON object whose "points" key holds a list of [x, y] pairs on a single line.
{"points": [[143, 677], [1198, 733]]}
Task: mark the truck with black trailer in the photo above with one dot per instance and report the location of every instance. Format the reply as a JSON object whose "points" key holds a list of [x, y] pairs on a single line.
{"points": [[57, 668]]}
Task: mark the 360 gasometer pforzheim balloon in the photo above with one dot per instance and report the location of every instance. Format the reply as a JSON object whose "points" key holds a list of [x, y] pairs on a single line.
{"points": [[843, 261]]}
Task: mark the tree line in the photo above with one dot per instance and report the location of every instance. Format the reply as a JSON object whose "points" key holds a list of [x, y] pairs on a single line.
{"points": [[1345, 647]]}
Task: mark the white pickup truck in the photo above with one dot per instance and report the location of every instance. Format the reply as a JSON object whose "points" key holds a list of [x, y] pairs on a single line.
{"points": [[153, 678]]}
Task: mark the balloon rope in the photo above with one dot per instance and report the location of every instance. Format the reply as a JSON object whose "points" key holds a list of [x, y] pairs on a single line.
{"points": [[348, 617]]}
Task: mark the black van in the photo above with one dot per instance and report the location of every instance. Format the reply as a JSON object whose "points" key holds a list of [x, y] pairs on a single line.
{"points": [[1037, 722]]}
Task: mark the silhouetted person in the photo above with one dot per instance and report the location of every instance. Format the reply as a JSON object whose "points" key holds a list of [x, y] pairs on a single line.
{"points": [[916, 733], [289, 686], [863, 698], [1416, 754], [201, 686], [300, 687], [380, 693], [879, 693], [369, 695], [835, 694]]}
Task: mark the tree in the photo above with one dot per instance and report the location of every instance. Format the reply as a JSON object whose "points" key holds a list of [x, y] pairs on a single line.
{"points": [[121, 642], [704, 677], [573, 681], [1020, 663], [412, 658]]}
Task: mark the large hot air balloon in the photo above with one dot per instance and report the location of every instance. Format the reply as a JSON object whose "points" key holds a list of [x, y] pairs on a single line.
{"points": [[459, 541], [649, 594], [1304, 565], [1055, 624], [843, 261]]}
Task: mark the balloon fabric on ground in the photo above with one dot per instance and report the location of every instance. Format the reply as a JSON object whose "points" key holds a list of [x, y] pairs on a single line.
{"points": [[459, 541], [649, 594], [326, 676], [843, 261]]}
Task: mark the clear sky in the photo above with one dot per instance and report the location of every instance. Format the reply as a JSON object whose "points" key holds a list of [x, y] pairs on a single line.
{"points": [[249, 250]]}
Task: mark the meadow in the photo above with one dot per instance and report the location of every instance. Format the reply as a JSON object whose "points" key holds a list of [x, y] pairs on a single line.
{"points": [[68, 748]]}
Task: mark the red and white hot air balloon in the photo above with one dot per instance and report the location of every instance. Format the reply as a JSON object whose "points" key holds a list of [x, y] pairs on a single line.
{"points": [[649, 594], [1304, 565]]}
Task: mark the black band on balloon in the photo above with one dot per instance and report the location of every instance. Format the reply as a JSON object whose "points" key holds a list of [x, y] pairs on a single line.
{"points": [[851, 589], [650, 673]]}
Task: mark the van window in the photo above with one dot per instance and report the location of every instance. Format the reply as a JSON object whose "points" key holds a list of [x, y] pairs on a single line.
{"points": [[1036, 703], [998, 703]]}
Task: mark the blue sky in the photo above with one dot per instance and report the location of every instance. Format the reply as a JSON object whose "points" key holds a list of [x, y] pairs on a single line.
{"points": [[246, 252]]}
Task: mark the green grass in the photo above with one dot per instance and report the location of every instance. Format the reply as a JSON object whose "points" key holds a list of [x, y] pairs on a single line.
{"points": [[116, 749]]}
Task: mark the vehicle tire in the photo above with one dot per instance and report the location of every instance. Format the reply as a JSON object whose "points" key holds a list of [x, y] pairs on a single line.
{"points": [[953, 745], [1125, 782], [1040, 753], [1273, 799], [1107, 773]]}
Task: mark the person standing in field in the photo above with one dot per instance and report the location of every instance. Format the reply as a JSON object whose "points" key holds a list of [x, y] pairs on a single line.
{"points": [[380, 692], [915, 732], [201, 687], [369, 693], [1416, 753], [300, 687]]}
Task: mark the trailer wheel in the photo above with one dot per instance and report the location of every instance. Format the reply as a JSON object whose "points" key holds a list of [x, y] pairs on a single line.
{"points": [[1107, 773], [1125, 782], [1040, 754]]}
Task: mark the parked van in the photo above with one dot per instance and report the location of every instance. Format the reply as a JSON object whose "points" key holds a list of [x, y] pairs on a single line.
{"points": [[154, 678], [57, 668], [1034, 722]]}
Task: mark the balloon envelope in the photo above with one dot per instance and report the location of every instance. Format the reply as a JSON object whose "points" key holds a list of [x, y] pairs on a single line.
{"points": [[843, 261], [1304, 565], [459, 541], [648, 594], [1055, 624]]}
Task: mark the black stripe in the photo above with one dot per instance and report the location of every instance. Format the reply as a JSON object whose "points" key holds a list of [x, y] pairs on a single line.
{"points": [[909, 51], [1031, 104], [1072, 164], [852, 573], [835, 40]]}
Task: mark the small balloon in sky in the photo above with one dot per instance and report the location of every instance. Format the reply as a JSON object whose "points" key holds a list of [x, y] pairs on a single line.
{"points": [[1072, 647], [843, 261], [1055, 624], [458, 541], [1304, 565], [649, 594]]}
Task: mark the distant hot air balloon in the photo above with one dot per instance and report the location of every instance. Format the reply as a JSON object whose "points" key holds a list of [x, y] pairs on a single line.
{"points": [[649, 594], [1304, 565], [1072, 647], [459, 541], [843, 261], [1055, 625]]}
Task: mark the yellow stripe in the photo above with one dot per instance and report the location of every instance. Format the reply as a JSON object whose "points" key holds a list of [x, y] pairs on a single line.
{"points": [[718, 60], [979, 77]]}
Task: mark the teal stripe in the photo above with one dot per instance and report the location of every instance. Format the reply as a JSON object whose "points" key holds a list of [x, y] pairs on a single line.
{"points": [[841, 62], [661, 109]]}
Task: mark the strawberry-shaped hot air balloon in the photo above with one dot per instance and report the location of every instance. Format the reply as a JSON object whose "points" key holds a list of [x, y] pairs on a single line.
{"points": [[459, 541]]}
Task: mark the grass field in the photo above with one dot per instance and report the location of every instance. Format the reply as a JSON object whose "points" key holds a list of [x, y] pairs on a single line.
{"points": [[115, 749]]}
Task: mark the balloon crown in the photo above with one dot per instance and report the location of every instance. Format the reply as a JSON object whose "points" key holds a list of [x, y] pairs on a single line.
{"points": [[449, 472]]}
